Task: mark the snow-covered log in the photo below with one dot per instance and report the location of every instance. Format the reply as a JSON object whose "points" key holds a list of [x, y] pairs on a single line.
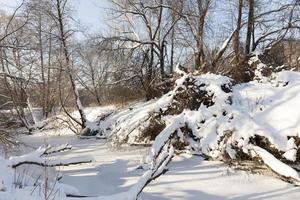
{"points": [[51, 149], [143, 122], [45, 162], [159, 155], [39, 157], [158, 167], [162, 139], [277, 166]]}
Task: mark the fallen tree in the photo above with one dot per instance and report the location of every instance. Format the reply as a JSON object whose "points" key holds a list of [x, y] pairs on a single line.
{"points": [[210, 115], [39, 157]]}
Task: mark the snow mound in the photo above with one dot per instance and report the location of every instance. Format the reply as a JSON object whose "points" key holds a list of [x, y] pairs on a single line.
{"points": [[142, 123], [209, 115]]}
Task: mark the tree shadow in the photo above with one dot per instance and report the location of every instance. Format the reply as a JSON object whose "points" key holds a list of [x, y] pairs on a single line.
{"points": [[104, 179], [212, 182]]}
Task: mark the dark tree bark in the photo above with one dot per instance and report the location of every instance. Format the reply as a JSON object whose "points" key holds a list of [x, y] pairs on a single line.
{"points": [[203, 6], [236, 38], [249, 26]]}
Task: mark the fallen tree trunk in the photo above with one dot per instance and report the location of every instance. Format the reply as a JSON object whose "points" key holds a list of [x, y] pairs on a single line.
{"points": [[160, 155], [286, 172], [159, 168], [146, 178], [48, 163], [39, 157]]}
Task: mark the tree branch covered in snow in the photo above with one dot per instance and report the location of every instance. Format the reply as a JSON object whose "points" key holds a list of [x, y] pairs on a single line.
{"points": [[44, 162], [277, 166], [165, 152], [38, 157]]}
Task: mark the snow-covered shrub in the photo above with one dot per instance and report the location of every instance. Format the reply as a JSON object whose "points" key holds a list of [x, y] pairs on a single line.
{"points": [[7, 141], [263, 72], [142, 124], [63, 124]]}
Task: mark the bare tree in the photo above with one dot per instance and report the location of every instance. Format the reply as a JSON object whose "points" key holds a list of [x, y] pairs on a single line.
{"points": [[16, 66], [94, 65], [250, 24], [156, 24], [195, 13], [59, 15], [43, 45], [236, 39]]}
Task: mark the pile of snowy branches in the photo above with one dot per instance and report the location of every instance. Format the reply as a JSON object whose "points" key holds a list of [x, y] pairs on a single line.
{"points": [[210, 115]]}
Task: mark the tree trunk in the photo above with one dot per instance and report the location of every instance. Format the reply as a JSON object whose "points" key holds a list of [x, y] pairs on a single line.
{"points": [[50, 102], [236, 38], [68, 65], [203, 7], [162, 60], [44, 90], [149, 74], [249, 26], [172, 51]]}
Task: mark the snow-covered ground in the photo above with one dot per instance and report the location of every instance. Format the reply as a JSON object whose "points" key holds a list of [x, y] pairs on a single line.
{"points": [[110, 172], [189, 177]]}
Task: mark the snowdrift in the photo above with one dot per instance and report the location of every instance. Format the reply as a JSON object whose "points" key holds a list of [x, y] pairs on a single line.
{"points": [[212, 116]]}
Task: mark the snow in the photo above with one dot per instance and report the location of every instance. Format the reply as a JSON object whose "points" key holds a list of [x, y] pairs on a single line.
{"points": [[291, 153], [164, 136], [190, 177], [259, 108], [178, 70], [275, 164], [129, 124], [263, 107], [93, 113], [270, 109], [110, 172], [57, 124], [113, 173], [40, 157], [133, 120], [33, 156]]}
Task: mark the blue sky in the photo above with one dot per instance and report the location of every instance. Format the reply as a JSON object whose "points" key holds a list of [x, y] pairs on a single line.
{"points": [[90, 13]]}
